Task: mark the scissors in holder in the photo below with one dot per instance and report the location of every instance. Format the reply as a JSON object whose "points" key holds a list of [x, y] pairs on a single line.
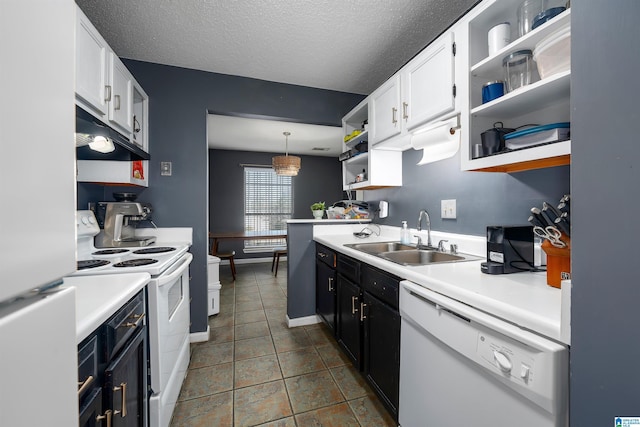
{"points": [[552, 234]]}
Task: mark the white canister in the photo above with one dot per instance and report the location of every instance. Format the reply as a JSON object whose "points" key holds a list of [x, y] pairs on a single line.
{"points": [[499, 37]]}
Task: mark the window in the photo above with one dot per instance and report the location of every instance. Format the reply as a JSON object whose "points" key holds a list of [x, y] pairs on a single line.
{"points": [[268, 203]]}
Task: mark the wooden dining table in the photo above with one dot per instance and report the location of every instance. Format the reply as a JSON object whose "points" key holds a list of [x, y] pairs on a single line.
{"points": [[243, 235]]}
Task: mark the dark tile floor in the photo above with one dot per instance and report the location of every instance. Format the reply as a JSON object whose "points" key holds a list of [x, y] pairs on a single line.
{"points": [[255, 371]]}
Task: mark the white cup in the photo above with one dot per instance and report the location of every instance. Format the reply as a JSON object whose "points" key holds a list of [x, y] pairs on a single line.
{"points": [[499, 37]]}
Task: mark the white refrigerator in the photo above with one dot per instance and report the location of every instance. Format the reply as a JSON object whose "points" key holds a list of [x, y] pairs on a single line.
{"points": [[38, 349]]}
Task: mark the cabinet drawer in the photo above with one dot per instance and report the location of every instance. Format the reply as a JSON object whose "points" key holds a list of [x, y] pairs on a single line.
{"points": [[87, 368], [349, 268], [122, 325], [381, 284], [325, 255]]}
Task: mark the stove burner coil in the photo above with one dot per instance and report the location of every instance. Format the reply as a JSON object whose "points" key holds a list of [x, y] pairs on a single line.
{"points": [[154, 250], [110, 252], [136, 262], [91, 263]]}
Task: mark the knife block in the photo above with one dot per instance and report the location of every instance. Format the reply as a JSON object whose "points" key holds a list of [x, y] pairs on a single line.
{"points": [[558, 262]]}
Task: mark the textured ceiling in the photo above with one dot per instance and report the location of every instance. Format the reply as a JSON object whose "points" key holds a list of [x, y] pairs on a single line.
{"points": [[237, 133], [344, 45]]}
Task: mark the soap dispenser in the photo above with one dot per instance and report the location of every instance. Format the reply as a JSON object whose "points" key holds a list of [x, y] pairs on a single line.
{"points": [[405, 237]]}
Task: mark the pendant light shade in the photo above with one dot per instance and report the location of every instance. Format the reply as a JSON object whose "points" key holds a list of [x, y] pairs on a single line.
{"points": [[286, 165]]}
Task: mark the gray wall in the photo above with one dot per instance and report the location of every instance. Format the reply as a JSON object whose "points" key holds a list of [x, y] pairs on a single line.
{"points": [[605, 379], [481, 198], [319, 179], [179, 100]]}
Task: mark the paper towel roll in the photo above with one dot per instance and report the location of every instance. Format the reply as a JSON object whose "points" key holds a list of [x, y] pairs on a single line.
{"points": [[437, 141]]}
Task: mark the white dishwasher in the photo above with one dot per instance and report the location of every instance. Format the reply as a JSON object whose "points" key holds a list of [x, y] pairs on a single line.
{"points": [[462, 367]]}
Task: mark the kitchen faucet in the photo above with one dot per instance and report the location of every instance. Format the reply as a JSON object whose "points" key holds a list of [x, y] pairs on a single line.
{"points": [[426, 214]]}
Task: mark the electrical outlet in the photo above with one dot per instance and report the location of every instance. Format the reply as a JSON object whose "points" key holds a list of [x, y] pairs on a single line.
{"points": [[165, 168], [448, 209]]}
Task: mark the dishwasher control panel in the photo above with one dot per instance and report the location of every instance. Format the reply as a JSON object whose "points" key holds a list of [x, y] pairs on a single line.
{"points": [[508, 357]]}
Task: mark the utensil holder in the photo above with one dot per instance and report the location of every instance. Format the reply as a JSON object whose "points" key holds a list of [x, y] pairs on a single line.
{"points": [[558, 262]]}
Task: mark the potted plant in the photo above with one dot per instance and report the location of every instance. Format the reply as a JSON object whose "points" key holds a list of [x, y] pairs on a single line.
{"points": [[318, 210]]}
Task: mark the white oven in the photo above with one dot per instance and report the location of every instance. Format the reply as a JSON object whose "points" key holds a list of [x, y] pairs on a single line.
{"points": [[168, 304], [168, 338]]}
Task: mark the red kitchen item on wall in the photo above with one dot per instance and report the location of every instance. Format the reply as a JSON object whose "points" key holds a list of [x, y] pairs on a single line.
{"points": [[137, 169]]}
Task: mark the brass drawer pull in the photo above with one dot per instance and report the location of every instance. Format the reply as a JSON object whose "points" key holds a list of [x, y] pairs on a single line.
{"points": [[135, 324], [107, 416], [123, 389], [84, 385]]}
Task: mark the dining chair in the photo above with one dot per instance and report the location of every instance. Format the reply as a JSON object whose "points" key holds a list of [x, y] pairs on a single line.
{"points": [[277, 252]]}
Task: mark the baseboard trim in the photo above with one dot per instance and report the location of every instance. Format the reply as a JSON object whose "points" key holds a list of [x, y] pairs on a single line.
{"points": [[303, 321], [199, 336]]}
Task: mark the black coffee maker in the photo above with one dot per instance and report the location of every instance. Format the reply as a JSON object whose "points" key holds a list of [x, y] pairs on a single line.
{"points": [[509, 249]]}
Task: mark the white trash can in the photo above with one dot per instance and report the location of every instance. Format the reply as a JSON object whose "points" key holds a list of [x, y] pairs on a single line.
{"points": [[213, 284]]}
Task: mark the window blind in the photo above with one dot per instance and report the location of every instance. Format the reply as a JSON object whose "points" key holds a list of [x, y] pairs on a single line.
{"points": [[268, 203]]}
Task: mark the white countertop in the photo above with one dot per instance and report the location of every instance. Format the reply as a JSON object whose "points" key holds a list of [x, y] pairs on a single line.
{"points": [[328, 221], [523, 299], [98, 297]]}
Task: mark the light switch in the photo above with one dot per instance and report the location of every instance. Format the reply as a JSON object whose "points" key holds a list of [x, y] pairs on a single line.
{"points": [[165, 168], [448, 209]]}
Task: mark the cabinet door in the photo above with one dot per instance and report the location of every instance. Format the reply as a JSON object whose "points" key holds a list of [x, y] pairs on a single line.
{"points": [[91, 65], [385, 110], [349, 325], [427, 83], [125, 384], [326, 294], [382, 350], [91, 412], [122, 99]]}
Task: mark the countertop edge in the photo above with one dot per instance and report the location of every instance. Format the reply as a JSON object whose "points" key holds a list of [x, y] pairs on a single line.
{"points": [[99, 297]]}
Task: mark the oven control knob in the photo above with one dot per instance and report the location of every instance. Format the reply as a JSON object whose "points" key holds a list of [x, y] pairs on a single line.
{"points": [[92, 220], [84, 220], [503, 361]]}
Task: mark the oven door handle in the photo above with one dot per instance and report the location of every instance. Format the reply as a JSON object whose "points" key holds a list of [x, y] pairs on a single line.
{"points": [[182, 265]]}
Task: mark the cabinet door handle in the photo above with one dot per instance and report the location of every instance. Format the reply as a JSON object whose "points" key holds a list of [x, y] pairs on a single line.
{"points": [[322, 255], [362, 307], [135, 324], [354, 300], [107, 93], [84, 385], [330, 284], [394, 110], [404, 110], [117, 102], [107, 416], [123, 390]]}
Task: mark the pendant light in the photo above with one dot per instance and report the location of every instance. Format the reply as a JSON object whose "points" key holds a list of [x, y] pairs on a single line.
{"points": [[286, 165]]}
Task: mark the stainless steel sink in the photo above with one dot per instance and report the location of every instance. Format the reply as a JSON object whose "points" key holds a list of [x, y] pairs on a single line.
{"points": [[409, 255], [379, 247], [421, 257]]}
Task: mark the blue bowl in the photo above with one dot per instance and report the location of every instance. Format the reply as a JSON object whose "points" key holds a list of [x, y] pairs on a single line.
{"points": [[492, 90]]}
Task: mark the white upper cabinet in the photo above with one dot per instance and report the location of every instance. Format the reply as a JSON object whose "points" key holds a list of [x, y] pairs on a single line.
{"points": [[91, 66], [121, 105], [385, 110], [428, 83], [421, 92]]}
